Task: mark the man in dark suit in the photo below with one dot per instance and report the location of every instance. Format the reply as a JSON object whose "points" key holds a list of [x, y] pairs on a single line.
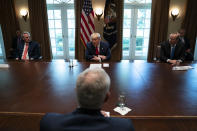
{"points": [[172, 51], [27, 49], [97, 50], [15, 43], [183, 39], [92, 88]]}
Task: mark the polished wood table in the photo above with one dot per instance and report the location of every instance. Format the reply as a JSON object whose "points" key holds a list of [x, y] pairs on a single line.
{"points": [[152, 90]]}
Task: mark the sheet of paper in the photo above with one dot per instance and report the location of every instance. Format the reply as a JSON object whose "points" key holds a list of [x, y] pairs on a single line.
{"points": [[105, 65], [122, 111], [182, 67], [4, 66], [95, 66]]}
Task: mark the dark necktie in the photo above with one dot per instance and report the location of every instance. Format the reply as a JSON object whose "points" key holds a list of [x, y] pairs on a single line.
{"points": [[172, 52]]}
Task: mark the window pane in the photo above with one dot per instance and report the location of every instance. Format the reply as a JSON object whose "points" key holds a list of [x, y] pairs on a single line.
{"points": [[57, 14], [49, 1], [71, 33], [71, 23], [52, 33], [126, 46], [141, 13], [140, 23], [148, 1], [148, 13], [50, 14], [147, 23], [127, 13], [58, 24], [58, 33], [51, 23], [126, 33], [146, 33], [140, 32], [70, 14], [127, 23]]}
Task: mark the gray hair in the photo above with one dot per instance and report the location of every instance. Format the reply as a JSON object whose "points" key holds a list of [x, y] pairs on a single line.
{"points": [[92, 87], [95, 35], [25, 32]]}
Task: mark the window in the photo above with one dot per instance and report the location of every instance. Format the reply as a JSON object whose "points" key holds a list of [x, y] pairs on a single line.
{"points": [[136, 29], [2, 53], [61, 18]]}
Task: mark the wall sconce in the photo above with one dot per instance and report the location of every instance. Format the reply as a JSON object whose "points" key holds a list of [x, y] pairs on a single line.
{"points": [[24, 14], [174, 13], [98, 13]]}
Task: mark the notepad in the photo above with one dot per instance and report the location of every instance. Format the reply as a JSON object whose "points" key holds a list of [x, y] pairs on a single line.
{"points": [[4, 66], [95, 66], [182, 68]]}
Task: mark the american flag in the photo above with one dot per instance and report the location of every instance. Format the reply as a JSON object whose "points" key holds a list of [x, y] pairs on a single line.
{"points": [[87, 22]]}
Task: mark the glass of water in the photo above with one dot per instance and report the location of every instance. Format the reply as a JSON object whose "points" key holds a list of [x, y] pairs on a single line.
{"points": [[121, 101]]}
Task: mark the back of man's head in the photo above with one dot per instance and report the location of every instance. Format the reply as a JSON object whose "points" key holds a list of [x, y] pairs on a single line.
{"points": [[92, 88]]}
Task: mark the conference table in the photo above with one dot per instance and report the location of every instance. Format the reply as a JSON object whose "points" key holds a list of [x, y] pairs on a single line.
{"points": [[151, 89]]}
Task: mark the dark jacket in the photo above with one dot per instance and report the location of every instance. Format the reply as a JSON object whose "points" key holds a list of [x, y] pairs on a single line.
{"points": [[84, 120], [33, 50], [103, 50], [179, 53]]}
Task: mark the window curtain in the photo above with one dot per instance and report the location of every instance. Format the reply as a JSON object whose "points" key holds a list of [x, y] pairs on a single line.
{"points": [[159, 25], [9, 23], [116, 53], [79, 47], [39, 26], [190, 22]]}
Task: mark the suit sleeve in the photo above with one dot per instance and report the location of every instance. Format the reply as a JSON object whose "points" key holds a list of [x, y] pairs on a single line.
{"points": [[36, 51], [88, 51], [163, 56]]}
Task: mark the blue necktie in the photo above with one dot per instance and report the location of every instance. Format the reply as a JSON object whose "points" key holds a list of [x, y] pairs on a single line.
{"points": [[172, 52]]}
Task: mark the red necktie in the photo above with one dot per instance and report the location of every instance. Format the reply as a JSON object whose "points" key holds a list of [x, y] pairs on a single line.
{"points": [[97, 51], [25, 52]]}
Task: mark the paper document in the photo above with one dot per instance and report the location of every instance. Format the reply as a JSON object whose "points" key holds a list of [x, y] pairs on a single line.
{"points": [[95, 66], [105, 65], [4, 66], [182, 67]]}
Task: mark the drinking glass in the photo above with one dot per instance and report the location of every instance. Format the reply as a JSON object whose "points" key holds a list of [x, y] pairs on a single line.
{"points": [[121, 101]]}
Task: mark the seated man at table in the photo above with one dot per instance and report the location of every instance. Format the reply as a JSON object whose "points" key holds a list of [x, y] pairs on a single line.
{"points": [[27, 49], [97, 50], [172, 51], [92, 89]]}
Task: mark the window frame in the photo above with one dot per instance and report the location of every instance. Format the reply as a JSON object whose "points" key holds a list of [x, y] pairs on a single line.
{"points": [[133, 29], [64, 22]]}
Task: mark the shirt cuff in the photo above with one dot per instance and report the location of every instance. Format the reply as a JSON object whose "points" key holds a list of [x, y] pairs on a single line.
{"points": [[167, 60]]}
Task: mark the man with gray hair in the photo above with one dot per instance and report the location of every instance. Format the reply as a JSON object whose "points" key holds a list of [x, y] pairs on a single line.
{"points": [[92, 90], [97, 50], [27, 49], [172, 51]]}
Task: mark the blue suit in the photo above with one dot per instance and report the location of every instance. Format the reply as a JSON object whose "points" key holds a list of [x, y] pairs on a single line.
{"points": [[103, 50], [84, 120], [33, 50]]}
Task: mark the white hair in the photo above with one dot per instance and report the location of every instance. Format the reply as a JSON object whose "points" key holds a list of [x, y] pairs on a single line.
{"points": [[92, 87], [95, 35], [25, 32]]}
